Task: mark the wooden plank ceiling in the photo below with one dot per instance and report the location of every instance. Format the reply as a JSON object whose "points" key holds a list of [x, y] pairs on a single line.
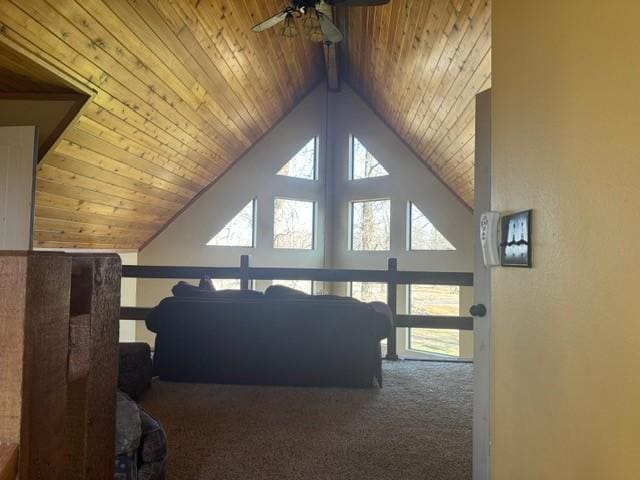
{"points": [[181, 88], [419, 64]]}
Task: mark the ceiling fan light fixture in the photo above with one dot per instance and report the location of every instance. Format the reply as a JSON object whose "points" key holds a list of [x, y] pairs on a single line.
{"points": [[311, 20], [316, 35], [289, 29]]}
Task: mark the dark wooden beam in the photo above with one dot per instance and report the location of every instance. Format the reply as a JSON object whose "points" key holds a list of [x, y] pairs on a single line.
{"points": [[316, 274], [330, 53], [392, 302], [331, 65], [434, 321], [134, 313]]}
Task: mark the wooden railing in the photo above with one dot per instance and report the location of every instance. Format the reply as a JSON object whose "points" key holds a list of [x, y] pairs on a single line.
{"points": [[392, 277]]}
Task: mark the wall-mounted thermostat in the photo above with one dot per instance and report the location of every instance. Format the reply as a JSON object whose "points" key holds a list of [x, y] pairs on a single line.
{"points": [[490, 238]]}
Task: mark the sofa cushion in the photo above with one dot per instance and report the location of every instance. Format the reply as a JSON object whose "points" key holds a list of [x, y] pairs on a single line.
{"points": [[183, 289], [236, 294], [153, 444], [128, 425], [280, 291], [135, 368]]}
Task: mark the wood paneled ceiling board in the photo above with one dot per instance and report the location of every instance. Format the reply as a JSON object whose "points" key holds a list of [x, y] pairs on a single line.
{"points": [[181, 90], [419, 64], [19, 74]]}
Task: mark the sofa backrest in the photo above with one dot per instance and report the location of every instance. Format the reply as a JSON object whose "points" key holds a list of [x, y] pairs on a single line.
{"points": [[270, 312]]}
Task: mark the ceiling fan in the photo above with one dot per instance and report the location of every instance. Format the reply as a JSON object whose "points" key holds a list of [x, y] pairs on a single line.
{"points": [[319, 26]]}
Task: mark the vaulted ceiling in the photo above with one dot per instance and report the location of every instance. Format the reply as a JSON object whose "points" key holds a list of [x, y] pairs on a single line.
{"points": [[419, 64], [179, 89]]}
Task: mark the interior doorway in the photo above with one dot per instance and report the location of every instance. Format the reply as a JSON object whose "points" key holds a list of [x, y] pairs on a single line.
{"points": [[482, 295]]}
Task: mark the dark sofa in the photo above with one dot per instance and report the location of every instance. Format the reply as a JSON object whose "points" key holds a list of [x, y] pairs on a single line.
{"points": [[250, 338]]}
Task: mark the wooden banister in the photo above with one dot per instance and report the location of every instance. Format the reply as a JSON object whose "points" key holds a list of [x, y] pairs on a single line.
{"points": [[392, 302], [316, 274], [392, 277]]}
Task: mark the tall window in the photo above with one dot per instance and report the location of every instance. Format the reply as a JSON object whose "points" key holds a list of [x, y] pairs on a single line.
{"points": [[422, 234], [304, 163], [239, 232], [434, 300], [226, 283], [293, 224], [370, 225], [369, 291], [363, 164]]}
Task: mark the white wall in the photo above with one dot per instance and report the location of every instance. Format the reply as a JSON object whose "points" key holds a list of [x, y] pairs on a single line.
{"points": [[254, 175], [18, 153], [128, 292]]}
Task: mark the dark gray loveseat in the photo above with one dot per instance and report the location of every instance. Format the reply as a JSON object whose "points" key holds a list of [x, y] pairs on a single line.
{"points": [[266, 340]]}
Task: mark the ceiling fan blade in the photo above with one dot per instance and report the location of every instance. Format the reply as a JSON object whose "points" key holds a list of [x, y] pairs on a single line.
{"points": [[329, 29], [270, 22], [356, 3]]}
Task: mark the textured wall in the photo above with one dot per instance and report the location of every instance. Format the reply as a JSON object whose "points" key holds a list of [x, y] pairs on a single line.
{"points": [[566, 334]]}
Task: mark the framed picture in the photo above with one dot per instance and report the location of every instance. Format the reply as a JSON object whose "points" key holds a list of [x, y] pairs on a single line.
{"points": [[516, 240]]}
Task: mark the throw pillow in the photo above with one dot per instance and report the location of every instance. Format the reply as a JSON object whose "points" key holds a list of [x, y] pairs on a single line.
{"points": [[184, 289]]}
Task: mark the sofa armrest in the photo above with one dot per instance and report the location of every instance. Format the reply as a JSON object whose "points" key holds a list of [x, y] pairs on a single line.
{"points": [[384, 317]]}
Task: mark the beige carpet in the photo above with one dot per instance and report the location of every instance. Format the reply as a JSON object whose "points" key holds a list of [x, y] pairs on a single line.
{"points": [[417, 427]]}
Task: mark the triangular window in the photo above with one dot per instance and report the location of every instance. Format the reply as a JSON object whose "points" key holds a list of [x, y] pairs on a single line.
{"points": [[363, 164], [239, 232], [303, 164], [423, 235]]}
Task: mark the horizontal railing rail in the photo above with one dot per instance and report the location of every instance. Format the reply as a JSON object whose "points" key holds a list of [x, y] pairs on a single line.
{"points": [[315, 274], [391, 277]]}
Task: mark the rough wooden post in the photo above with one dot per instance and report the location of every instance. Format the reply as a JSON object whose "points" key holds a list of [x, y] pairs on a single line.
{"points": [[392, 301], [93, 367], [34, 332], [244, 272], [8, 461]]}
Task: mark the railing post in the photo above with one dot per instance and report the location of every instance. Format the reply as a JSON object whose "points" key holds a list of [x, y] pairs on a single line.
{"points": [[244, 272], [392, 301]]}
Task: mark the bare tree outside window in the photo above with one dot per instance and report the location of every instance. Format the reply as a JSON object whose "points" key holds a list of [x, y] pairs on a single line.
{"points": [[303, 164], [369, 291], [293, 224], [434, 300], [239, 232], [370, 225], [226, 283], [305, 286], [423, 234], [363, 164]]}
